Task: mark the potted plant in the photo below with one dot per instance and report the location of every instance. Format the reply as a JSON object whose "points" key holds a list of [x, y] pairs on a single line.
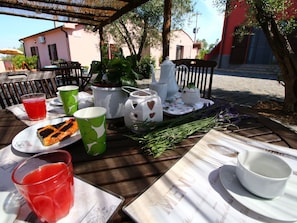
{"points": [[114, 73]]}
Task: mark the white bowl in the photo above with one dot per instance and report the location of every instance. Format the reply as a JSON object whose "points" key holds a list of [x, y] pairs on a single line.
{"points": [[190, 95], [262, 173]]}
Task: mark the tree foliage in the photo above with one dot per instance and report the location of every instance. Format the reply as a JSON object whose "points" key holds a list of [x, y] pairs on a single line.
{"points": [[142, 26], [19, 61], [277, 19], [205, 48]]}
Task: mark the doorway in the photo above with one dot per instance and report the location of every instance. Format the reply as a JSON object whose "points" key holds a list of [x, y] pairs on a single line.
{"points": [[179, 52], [239, 48]]}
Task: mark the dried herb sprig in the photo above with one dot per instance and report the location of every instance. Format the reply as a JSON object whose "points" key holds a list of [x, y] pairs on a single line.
{"points": [[165, 135], [156, 142]]}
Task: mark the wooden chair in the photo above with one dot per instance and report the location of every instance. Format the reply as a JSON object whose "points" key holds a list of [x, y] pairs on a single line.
{"points": [[11, 92], [200, 73], [69, 73], [181, 74], [94, 70]]}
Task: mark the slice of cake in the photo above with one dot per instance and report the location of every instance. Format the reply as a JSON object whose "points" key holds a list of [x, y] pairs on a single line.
{"points": [[51, 134]]}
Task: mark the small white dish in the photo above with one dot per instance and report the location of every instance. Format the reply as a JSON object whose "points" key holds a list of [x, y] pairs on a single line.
{"points": [[56, 102], [263, 173], [190, 96], [27, 140], [282, 208]]}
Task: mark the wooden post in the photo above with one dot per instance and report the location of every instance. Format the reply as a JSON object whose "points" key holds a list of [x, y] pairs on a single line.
{"points": [[101, 43], [166, 28]]}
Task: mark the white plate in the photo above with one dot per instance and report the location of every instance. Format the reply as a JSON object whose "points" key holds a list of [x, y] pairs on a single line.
{"points": [[283, 208], [9, 209], [56, 102], [27, 140]]}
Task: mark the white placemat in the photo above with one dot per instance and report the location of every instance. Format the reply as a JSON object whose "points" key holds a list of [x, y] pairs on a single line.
{"points": [[191, 190]]}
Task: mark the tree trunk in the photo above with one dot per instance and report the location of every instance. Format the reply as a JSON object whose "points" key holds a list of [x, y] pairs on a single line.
{"points": [[127, 37], [290, 103], [285, 57], [166, 27], [101, 42], [142, 42]]}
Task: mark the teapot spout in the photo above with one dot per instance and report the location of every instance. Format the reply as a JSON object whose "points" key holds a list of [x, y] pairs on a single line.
{"points": [[153, 74]]}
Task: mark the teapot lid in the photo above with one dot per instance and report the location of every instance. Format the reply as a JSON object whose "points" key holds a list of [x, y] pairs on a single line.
{"points": [[190, 89], [167, 62]]}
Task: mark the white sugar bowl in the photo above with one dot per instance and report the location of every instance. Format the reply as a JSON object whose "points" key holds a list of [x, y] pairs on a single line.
{"points": [[262, 173], [190, 95]]}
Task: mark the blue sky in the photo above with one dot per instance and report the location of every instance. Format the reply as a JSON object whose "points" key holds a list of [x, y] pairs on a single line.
{"points": [[210, 22], [14, 28]]}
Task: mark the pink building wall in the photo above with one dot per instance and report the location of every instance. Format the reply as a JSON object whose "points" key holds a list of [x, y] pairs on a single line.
{"points": [[181, 38], [73, 43], [84, 45]]}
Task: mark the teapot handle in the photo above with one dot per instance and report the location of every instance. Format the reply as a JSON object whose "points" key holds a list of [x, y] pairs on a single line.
{"points": [[125, 88], [173, 69]]}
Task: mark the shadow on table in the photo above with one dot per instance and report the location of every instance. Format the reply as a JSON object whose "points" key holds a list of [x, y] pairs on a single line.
{"points": [[249, 74]]}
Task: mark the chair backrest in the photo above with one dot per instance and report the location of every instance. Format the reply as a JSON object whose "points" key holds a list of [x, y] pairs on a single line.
{"points": [[95, 67], [200, 73], [69, 73], [94, 70], [11, 92], [181, 74]]}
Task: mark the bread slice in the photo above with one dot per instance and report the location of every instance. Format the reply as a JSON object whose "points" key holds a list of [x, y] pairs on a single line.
{"points": [[52, 134]]}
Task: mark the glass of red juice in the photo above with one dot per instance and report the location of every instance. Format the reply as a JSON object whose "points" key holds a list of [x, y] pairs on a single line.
{"points": [[45, 180], [34, 105]]}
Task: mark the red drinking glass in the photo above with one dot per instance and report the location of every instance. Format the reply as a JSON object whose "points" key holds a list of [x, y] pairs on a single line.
{"points": [[34, 105], [46, 182]]}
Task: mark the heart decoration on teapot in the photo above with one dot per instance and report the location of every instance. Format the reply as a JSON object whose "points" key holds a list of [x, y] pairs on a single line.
{"points": [[151, 104], [152, 115], [143, 105]]}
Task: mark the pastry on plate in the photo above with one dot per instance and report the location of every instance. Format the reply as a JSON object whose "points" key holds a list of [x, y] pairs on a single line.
{"points": [[51, 134]]}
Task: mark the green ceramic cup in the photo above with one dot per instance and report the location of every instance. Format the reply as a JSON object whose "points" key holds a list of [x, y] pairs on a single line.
{"points": [[69, 97], [92, 125]]}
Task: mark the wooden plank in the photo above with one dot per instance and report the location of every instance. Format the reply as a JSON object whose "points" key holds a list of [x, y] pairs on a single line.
{"points": [[10, 126], [287, 135]]}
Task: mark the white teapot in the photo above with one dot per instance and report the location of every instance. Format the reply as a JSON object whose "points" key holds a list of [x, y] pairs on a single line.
{"points": [[168, 76], [190, 95]]}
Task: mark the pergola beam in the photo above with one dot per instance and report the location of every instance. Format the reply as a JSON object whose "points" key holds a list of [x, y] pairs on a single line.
{"points": [[87, 12]]}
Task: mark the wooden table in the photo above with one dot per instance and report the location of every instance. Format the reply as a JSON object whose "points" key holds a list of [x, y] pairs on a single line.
{"points": [[126, 170]]}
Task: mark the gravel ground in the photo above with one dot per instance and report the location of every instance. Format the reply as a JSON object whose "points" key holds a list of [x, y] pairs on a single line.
{"points": [[240, 88], [246, 90]]}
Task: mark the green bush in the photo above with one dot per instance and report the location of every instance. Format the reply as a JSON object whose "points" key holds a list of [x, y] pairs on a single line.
{"points": [[144, 68], [18, 61]]}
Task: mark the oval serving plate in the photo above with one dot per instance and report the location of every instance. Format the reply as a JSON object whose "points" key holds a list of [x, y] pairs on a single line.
{"points": [[180, 108], [27, 140]]}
